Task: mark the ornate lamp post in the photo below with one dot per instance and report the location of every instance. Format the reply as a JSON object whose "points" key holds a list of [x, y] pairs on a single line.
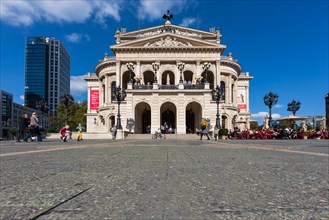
{"points": [[120, 95], [181, 66], [130, 67], [217, 95], [205, 67], [155, 66], [270, 100], [293, 107], [67, 100]]}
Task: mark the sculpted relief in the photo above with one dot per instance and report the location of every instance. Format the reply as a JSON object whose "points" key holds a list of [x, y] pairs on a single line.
{"points": [[168, 42]]}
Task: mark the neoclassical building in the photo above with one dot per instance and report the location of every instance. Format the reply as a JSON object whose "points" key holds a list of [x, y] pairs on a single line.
{"points": [[168, 73]]}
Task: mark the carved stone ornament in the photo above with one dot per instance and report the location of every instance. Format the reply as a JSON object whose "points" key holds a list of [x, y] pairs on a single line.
{"points": [[168, 42]]}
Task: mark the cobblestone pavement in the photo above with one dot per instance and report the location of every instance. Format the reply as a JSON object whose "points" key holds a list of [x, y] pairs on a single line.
{"points": [[165, 179]]}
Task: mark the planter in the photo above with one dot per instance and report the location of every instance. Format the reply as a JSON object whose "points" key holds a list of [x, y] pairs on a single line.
{"points": [[223, 137]]}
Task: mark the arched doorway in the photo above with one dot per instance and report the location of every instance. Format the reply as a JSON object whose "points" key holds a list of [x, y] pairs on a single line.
{"points": [[224, 123], [193, 116], [210, 76], [126, 78], [142, 117], [148, 78], [168, 114], [188, 76], [168, 78], [111, 122]]}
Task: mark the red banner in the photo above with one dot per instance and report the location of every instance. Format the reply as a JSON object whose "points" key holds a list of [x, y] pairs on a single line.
{"points": [[94, 99]]}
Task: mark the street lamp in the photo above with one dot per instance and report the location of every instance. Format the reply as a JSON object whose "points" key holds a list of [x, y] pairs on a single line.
{"points": [[217, 95], [155, 66], [120, 95], [270, 100], [67, 100], [130, 67], [181, 66], [43, 108], [205, 67], [293, 107]]}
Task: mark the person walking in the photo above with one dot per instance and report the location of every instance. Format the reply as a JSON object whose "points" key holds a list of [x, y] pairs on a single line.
{"points": [[204, 128], [114, 132], [35, 126], [63, 132], [80, 129], [26, 131]]}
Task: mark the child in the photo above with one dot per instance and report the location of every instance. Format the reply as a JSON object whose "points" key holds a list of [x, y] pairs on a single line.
{"points": [[80, 128], [63, 132]]}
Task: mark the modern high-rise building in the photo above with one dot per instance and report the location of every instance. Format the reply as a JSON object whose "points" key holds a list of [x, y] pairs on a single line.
{"points": [[47, 72]]}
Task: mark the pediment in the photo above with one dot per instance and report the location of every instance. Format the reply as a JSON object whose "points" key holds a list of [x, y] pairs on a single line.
{"points": [[157, 30], [167, 40]]}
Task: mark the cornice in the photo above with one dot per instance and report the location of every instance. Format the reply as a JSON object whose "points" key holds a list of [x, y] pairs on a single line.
{"points": [[103, 65]]}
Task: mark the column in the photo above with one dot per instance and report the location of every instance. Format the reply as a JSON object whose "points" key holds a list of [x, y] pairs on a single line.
{"points": [[217, 73], [106, 89], [118, 73], [229, 88]]}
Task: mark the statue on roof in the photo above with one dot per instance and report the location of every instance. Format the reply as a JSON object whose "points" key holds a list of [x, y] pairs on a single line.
{"points": [[168, 16]]}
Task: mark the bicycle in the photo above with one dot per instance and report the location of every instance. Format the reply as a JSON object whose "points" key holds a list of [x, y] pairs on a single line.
{"points": [[158, 135]]}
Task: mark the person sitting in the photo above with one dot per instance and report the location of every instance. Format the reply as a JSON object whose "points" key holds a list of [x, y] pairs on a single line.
{"points": [[158, 133]]}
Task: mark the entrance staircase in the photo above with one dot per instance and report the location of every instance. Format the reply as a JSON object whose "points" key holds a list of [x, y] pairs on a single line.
{"points": [[168, 136]]}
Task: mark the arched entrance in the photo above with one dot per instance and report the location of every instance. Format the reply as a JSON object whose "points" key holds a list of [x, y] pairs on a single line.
{"points": [[148, 78], [210, 76], [126, 78], [168, 114], [224, 123], [168, 78], [193, 116], [142, 117], [111, 122]]}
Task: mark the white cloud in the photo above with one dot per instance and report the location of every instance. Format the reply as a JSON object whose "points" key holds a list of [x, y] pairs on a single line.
{"points": [[21, 97], [77, 37], [78, 85], [152, 10], [187, 22], [278, 106], [26, 12], [261, 115]]}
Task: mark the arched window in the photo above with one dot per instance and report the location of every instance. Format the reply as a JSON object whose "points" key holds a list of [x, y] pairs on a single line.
{"points": [[113, 91], [223, 90], [103, 87]]}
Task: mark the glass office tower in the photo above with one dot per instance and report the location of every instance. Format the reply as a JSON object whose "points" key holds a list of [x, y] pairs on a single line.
{"points": [[47, 72]]}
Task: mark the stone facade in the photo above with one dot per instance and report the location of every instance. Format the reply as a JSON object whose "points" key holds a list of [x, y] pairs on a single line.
{"points": [[180, 97]]}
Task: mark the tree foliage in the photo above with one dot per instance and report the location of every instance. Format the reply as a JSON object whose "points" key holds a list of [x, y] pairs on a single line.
{"points": [[75, 114]]}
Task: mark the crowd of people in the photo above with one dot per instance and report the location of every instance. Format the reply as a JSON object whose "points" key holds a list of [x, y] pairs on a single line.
{"points": [[278, 133]]}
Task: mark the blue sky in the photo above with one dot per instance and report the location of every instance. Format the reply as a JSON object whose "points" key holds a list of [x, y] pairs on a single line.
{"points": [[283, 44]]}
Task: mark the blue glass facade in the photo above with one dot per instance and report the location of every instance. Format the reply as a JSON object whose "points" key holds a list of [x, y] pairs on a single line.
{"points": [[47, 71]]}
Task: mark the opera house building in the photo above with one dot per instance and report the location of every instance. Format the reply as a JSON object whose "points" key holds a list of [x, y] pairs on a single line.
{"points": [[167, 74]]}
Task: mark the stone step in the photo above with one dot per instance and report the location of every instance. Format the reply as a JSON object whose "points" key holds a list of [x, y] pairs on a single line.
{"points": [[168, 136]]}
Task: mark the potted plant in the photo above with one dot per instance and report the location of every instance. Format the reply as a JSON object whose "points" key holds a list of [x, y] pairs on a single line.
{"points": [[223, 133]]}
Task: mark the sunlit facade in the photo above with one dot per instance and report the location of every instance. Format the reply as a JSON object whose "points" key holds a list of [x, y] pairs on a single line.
{"points": [[47, 71], [159, 89]]}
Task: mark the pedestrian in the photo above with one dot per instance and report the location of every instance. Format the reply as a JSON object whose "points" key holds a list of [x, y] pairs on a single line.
{"points": [[148, 129], [63, 132], [26, 131], [19, 134], [80, 128], [204, 128], [114, 132], [216, 132], [35, 127]]}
